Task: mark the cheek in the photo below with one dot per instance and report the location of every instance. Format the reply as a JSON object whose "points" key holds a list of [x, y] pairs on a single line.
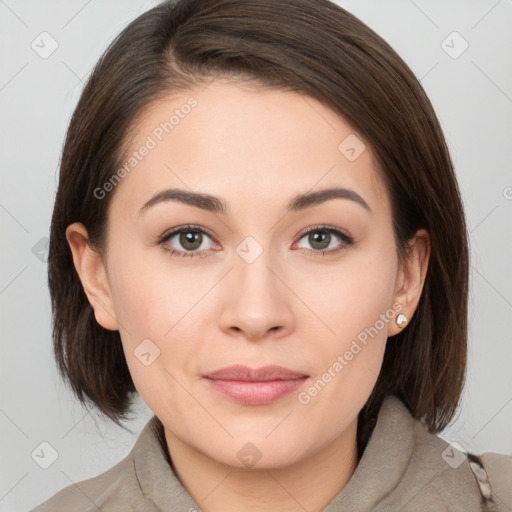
{"points": [[159, 308], [151, 294], [355, 306], [349, 298]]}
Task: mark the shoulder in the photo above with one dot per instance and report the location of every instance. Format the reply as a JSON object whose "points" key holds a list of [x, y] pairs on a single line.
{"points": [[458, 477], [441, 476], [108, 491], [117, 489]]}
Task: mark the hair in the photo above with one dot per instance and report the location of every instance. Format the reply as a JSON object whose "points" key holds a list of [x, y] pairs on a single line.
{"points": [[310, 47]]}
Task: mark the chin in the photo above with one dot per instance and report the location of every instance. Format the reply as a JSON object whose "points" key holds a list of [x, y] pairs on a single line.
{"points": [[258, 454]]}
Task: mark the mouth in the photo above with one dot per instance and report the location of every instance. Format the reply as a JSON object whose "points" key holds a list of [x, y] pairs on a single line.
{"points": [[259, 386]]}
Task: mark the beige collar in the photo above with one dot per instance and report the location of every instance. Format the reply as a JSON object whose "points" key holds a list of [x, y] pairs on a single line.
{"points": [[392, 440]]}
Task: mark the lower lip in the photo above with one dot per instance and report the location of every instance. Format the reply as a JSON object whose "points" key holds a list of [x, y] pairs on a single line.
{"points": [[256, 393]]}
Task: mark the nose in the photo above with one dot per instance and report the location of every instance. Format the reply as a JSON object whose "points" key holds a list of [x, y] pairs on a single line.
{"points": [[256, 301]]}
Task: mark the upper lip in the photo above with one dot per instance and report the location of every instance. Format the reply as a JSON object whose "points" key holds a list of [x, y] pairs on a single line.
{"points": [[263, 374]]}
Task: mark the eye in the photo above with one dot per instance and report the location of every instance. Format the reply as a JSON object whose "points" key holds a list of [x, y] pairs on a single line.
{"points": [[192, 241], [186, 241], [325, 240]]}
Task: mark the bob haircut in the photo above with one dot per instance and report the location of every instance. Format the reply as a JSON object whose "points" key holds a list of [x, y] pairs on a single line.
{"points": [[311, 47]]}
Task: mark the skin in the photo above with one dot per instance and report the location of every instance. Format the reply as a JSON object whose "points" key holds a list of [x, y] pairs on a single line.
{"points": [[255, 148]]}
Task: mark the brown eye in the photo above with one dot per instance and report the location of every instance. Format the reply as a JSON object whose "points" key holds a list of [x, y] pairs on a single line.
{"points": [[187, 241], [325, 240], [319, 239], [190, 240]]}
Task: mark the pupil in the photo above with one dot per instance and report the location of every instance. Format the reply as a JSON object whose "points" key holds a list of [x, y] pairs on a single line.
{"points": [[320, 237], [189, 240]]}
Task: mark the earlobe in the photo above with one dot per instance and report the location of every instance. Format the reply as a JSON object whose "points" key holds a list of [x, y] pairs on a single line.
{"points": [[411, 279], [93, 276]]}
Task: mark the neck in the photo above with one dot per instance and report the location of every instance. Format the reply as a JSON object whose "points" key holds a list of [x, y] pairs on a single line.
{"points": [[309, 484]]}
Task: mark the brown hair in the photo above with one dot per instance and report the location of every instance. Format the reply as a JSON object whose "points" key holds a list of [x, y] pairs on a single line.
{"points": [[312, 47]]}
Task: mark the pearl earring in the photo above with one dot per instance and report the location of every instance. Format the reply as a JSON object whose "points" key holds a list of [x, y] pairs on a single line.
{"points": [[401, 320]]}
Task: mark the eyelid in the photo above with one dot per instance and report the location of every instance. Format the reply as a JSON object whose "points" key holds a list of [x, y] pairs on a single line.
{"points": [[191, 227], [325, 227]]}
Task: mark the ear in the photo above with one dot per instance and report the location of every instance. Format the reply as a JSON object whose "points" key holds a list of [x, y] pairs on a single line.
{"points": [[93, 275], [411, 277]]}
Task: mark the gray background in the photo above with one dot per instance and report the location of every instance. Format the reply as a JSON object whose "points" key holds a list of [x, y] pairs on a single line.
{"points": [[472, 94]]}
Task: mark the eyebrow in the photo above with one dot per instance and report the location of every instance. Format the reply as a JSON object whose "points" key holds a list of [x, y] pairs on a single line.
{"points": [[214, 204]]}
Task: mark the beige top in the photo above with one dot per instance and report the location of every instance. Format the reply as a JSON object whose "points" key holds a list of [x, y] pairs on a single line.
{"points": [[403, 468]]}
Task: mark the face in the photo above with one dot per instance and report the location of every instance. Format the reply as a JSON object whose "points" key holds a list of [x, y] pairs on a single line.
{"points": [[253, 278]]}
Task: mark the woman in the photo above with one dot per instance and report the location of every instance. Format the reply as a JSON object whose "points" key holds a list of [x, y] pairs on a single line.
{"points": [[258, 229]]}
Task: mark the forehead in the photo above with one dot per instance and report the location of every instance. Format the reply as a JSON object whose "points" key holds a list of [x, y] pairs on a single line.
{"points": [[246, 144]]}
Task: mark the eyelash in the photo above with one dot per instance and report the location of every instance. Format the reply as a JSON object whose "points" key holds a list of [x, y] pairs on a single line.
{"points": [[346, 239]]}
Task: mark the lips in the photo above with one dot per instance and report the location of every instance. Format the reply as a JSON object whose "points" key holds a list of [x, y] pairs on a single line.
{"points": [[255, 386], [264, 374]]}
